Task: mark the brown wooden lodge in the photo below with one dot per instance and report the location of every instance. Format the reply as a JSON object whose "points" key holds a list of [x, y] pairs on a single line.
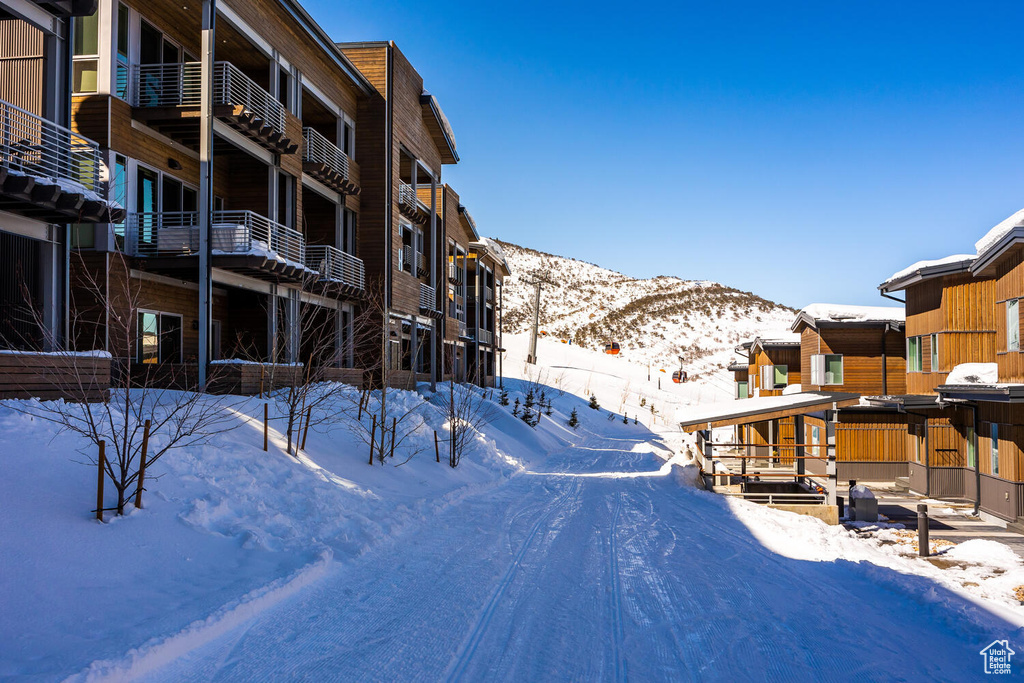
{"points": [[327, 200]]}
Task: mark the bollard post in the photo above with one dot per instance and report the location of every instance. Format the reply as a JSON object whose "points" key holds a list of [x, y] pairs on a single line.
{"points": [[142, 465], [373, 438], [102, 460], [922, 530], [266, 425], [437, 448]]}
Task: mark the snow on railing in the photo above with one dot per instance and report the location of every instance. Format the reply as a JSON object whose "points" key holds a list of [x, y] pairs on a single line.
{"points": [[33, 146], [172, 85], [232, 232], [427, 297], [318, 149], [335, 265]]}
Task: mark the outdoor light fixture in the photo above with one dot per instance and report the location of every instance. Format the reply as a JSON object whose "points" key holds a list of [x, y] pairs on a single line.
{"points": [[174, 164]]}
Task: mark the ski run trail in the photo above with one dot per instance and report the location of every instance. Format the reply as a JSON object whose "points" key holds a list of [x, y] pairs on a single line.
{"points": [[604, 566]]}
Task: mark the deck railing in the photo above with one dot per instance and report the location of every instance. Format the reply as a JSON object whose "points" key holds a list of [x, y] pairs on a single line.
{"points": [[318, 149], [335, 265], [405, 258], [33, 146], [172, 85], [454, 274], [232, 233], [427, 297], [407, 195], [421, 264], [484, 336]]}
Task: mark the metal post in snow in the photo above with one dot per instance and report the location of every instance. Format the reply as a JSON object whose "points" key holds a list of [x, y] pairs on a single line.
{"points": [[922, 530], [532, 358], [101, 462], [206, 187], [830, 467]]}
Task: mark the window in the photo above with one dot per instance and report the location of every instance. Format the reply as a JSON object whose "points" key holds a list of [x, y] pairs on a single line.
{"points": [[1012, 326], [934, 366], [741, 389], [781, 375], [972, 448], [826, 368], [815, 440], [348, 231], [995, 449], [405, 257], [159, 338], [119, 193], [348, 139], [286, 205], [774, 376], [85, 48], [914, 354], [123, 28], [918, 443]]}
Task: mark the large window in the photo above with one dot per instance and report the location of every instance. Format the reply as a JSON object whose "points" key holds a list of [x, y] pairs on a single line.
{"points": [[934, 366], [774, 377], [123, 31], [995, 449], [741, 389], [1012, 326], [826, 368], [915, 358], [159, 338], [86, 51]]}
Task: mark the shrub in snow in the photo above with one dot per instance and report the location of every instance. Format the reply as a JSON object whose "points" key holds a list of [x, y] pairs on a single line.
{"points": [[503, 399], [515, 408], [593, 402], [625, 420], [529, 400], [466, 413], [574, 419]]}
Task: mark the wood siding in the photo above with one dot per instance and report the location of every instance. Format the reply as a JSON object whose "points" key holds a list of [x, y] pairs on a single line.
{"points": [[862, 359]]}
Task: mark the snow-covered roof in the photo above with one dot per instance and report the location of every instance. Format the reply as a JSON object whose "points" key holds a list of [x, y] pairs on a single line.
{"points": [[925, 269], [735, 412], [442, 121], [738, 367], [816, 315], [999, 232], [783, 339], [489, 245]]}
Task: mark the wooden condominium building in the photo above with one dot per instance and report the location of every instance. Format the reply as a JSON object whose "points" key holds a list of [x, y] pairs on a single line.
{"points": [[474, 274], [967, 372], [812, 389], [51, 178]]}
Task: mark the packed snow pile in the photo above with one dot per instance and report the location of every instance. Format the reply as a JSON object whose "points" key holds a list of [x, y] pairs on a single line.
{"points": [[656, 320], [1000, 230], [974, 373], [861, 492]]}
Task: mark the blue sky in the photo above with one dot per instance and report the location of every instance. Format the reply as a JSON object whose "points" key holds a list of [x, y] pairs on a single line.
{"points": [[800, 150]]}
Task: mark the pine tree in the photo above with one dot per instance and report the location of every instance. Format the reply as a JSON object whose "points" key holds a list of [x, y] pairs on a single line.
{"points": [[625, 420], [515, 409], [528, 417], [593, 402], [529, 399], [503, 399], [574, 419], [635, 420], [548, 410]]}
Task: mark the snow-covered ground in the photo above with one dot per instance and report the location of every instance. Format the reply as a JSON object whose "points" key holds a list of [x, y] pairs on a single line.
{"points": [[549, 554]]}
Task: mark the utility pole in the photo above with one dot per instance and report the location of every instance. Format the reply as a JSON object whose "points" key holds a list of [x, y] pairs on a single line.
{"points": [[206, 187], [532, 358]]}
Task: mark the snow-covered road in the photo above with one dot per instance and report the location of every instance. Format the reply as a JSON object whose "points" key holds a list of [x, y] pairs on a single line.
{"points": [[551, 576]]}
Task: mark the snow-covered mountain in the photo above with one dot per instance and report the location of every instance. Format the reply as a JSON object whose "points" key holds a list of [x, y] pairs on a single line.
{"points": [[654, 320]]}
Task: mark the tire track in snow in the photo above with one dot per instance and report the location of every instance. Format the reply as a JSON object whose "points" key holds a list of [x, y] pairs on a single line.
{"points": [[476, 634], [616, 599]]}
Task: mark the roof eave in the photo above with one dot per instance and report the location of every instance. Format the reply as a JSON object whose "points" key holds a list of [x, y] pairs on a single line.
{"points": [[990, 256], [922, 274], [315, 31]]}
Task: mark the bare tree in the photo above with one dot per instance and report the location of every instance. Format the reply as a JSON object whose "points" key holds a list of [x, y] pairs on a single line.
{"points": [[105, 313], [466, 411]]}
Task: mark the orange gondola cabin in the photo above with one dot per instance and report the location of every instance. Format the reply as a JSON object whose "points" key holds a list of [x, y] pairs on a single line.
{"points": [[679, 376], [612, 348]]}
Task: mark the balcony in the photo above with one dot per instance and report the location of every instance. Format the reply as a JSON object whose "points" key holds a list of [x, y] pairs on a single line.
{"points": [[455, 275], [428, 300], [485, 336], [336, 268], [167, 97], [241, 241], [411, 206], [322, 160], [48, 172], [421, 265], [405, 259]]}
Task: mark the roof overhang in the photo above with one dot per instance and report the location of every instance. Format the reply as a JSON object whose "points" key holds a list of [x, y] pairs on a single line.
{"points": [[738, 367], [468, 221], [774, 344], [802, 319], [440, 129], [995, 393], [748, 410], [987, 260], [906, 401], [329, 47], [926, 273]]}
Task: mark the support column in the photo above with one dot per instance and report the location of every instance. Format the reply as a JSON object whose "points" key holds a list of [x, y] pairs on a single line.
{"points": [[294, 323], [831, 417], [798, 438], [272, 351], [438, 326], [206, 57], [414, 349]]}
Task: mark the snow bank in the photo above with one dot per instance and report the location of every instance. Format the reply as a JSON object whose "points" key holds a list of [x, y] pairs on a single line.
{"points": [[792, 389], [860, 492], [983, 551], [58, 354], [974, 373]]}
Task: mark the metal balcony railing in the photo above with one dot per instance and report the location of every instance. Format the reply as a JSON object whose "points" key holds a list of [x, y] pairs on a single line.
{"points": [[427, 297], [407, 195], [335, 265], [421, 264], [454, 274], [484, 336], [318, 149], [33, 146], [172, 85], [405, 258], [462, 328], [488, 294], [232, 233]]}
